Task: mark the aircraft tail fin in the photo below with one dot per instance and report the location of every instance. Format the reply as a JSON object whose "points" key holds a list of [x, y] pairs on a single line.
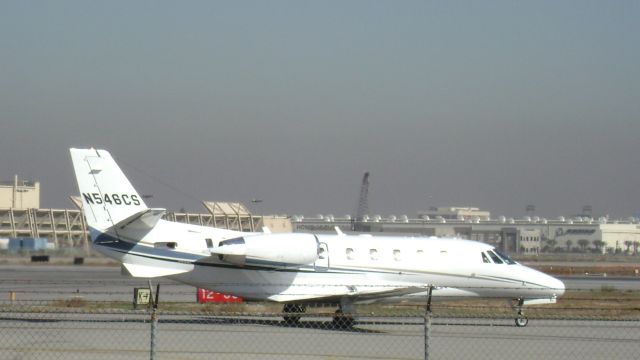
{"points": [[108, 198]]}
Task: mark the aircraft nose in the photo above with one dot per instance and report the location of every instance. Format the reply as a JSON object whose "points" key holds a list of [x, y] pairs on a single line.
{"points": [[547, 283], [556, 286]]}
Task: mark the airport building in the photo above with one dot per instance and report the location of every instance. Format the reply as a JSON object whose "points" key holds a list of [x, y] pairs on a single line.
{"points": [[19, 194], [66, 228], [63, 228], [530, 235], [21, 218], [454, 213]]}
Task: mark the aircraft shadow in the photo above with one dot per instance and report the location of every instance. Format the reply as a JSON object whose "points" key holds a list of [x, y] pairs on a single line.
{"points": [[358, 327], [314, 325], [302, 324]]}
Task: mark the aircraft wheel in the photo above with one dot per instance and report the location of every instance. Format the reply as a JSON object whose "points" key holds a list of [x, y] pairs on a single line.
{"points": [[291, 319], [342, 320], [292, 313], [522, 321]]}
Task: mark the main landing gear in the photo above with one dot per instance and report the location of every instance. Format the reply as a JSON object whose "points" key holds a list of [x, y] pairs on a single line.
{"points": [[521, 320], [343, 320], [343, 317], [292, 313]]}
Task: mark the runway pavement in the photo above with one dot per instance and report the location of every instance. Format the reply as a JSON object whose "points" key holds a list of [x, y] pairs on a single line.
{"points": [[83, 334], [599, 282], [118, 336], [93, 283]]}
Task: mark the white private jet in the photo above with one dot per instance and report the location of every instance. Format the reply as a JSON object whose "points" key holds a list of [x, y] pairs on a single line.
{"points": [[294, 268]]}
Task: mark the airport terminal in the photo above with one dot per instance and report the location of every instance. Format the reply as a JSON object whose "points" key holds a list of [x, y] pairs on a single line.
{"points": [[528, 235], [35, 228]]}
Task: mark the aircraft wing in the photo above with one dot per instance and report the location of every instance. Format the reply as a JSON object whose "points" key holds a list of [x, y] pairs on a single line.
{"points": [[357, 293], [389, 293]]}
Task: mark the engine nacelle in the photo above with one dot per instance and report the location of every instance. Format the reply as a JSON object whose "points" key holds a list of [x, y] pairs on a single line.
{"points": [[270, 250]]}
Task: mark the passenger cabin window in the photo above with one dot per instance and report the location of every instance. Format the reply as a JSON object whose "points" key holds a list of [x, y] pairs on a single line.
{"points": [[485, 259], [349, 253], [494, 257], [419, 252], [396, 255], [373, 253]]}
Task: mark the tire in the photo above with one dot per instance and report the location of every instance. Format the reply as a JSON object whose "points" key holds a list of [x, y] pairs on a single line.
{"points": [[342, 321], [522, 321], [292, 313], [291, 319]]}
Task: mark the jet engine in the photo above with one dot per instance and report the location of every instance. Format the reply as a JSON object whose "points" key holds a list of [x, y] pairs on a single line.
{"points": [[271, 250]]}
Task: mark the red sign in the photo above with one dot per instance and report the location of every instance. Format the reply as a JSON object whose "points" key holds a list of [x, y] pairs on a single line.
{"points": [[206, 296]]}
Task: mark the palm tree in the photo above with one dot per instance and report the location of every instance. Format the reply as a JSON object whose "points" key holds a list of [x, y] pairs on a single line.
{"points": [[628, 244], [569, 243], [583, 244], [552, 244], [599, 245]]}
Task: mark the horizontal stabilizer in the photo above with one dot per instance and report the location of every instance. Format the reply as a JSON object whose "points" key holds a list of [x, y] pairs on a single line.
{"points": [[148, 271], [143, 220]]}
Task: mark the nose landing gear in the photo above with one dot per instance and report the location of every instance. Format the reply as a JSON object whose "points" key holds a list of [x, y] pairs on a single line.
{"points": [[521, 320]]}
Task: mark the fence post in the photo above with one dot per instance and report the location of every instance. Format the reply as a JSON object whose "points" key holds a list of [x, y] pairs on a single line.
{"points": [[154, 320], [427, 325]]}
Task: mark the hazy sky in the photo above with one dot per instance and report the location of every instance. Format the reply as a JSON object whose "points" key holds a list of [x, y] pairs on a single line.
{"points": [[494, 104]]}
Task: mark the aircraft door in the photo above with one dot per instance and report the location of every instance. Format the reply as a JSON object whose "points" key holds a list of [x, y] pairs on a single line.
{"points": [[322, 263]]}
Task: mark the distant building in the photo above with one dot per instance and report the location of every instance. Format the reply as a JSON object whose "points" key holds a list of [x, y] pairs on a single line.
{"points": [[526, 236], [277, 223], [65, 228], [530, 240], [454, 213], [19, 194]]}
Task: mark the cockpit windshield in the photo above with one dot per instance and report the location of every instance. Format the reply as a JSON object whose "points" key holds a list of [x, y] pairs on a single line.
{"points": [[505, 257], [496, 259]]}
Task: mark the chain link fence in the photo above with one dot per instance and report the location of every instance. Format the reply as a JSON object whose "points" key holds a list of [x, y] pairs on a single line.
{"points": [[584, 325]]}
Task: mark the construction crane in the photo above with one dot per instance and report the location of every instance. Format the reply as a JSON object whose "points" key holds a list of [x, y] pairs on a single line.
{"points": [[363, 205]]}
